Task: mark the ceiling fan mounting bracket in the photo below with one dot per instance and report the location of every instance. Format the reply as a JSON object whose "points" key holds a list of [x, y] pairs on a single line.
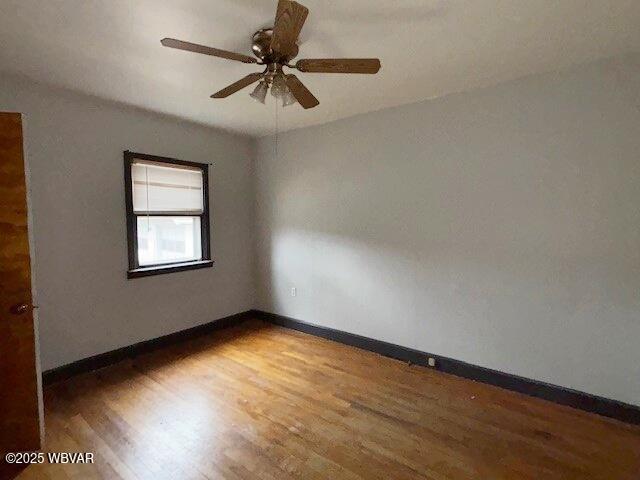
{"points": [[261, 47]]}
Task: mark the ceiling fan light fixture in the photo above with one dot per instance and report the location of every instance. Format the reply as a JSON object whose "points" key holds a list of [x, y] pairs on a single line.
{"points": [[288, 98], [278, 87], [259, 93]]}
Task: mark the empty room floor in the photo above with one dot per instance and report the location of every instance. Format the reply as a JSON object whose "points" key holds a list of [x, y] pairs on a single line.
{"points": [[263, 402]]}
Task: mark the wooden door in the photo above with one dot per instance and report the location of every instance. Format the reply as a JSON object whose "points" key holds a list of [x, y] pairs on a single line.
{"points": [[19, 401]]}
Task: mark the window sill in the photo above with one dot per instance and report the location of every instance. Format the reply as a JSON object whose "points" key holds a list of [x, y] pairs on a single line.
{"points": [[174, 267]]}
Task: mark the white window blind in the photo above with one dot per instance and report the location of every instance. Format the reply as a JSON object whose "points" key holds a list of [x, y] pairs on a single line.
{"points": [[159, 188]]}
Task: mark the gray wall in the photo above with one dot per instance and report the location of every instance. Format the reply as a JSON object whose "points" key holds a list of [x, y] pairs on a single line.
{"points": [[499, 227], [74, 154]]}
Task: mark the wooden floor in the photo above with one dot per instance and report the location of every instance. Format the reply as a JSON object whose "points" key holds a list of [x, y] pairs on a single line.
{"points": [[262, 402]]}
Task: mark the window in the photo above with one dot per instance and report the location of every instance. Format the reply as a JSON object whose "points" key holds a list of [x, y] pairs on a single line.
{"points": [[167, 214]]}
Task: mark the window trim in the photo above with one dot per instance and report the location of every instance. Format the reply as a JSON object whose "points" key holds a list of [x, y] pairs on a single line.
{"points": [[135, 270]]}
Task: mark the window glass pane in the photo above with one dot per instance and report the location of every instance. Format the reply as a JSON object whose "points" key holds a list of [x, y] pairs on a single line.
{"points": [[168, 240], [165, 188]]}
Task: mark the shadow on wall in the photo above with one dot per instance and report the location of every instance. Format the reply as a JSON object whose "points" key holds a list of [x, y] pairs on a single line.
{"points": [[482, 227]]}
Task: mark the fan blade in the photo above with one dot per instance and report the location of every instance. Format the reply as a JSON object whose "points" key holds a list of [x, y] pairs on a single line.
{"points": [[302, 94], [239, 85], [339, 65], [290, 17], [194, 47]]}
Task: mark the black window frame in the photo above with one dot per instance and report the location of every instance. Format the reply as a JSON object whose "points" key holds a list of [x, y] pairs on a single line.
{"points": [[135, 270]]}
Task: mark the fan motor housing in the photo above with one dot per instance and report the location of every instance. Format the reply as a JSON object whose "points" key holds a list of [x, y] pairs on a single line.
{"points": [[261, 47]]}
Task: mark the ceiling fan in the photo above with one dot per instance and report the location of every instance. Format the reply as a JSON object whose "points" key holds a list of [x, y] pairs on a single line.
{"points": [[275, 48]]}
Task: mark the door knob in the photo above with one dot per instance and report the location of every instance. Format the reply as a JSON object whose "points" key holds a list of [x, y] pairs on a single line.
{"points": [[19, 309]]}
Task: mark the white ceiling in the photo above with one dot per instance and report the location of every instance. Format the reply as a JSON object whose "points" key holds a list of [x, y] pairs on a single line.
{"points": [[428, 48]]}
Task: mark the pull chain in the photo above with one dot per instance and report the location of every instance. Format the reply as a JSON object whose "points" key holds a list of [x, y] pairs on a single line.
{"points": [[146, 177], [276, 135]]}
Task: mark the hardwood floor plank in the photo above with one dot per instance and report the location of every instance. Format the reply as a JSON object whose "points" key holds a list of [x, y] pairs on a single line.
{"points": [[259, 401]]}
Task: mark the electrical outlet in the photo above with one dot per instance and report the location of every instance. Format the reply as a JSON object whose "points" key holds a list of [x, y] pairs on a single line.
{"points": [[431, 361], [294, 292]]}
